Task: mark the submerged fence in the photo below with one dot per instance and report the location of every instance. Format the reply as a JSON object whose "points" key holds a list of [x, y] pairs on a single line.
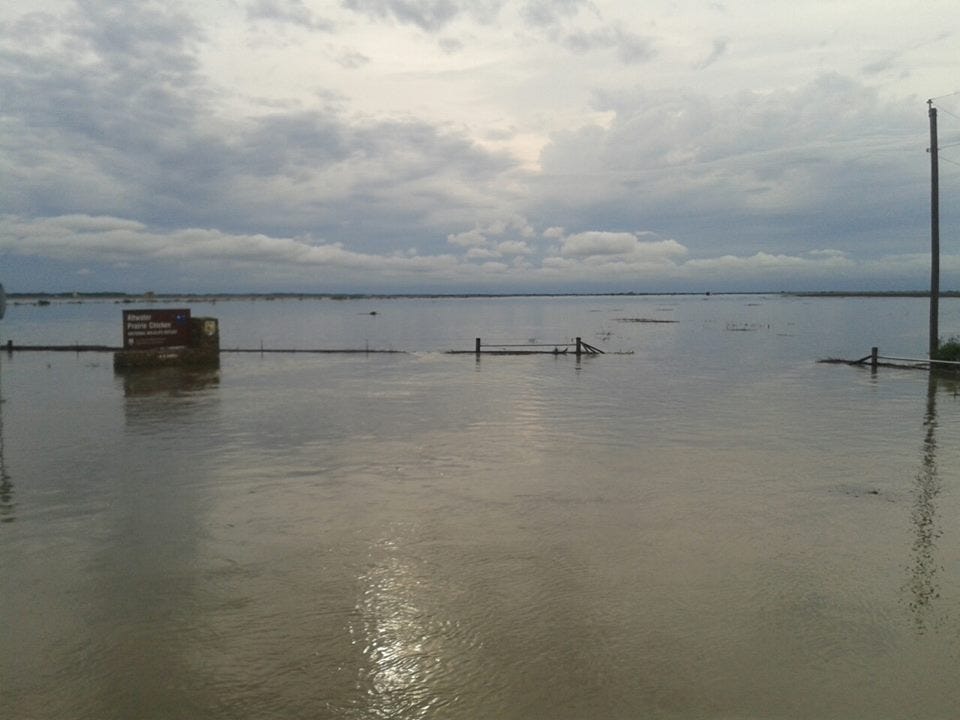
{"points": [[530, 348], [579, 347], [875, 360]]}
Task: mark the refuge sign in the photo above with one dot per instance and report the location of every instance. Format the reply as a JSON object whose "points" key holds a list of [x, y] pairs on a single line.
{"points": [[143, 329]]}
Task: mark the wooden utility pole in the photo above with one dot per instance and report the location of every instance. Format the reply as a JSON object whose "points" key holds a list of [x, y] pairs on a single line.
{"points": [[934, 234]]}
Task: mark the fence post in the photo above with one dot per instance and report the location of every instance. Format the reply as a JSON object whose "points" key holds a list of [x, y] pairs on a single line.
{"points": [[478, 347]]}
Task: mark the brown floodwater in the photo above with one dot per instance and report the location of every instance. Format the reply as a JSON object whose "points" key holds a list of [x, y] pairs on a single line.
{"points": [[705, 524]]}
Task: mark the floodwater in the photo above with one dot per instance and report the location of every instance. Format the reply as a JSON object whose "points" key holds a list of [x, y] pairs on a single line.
{"points": [[702, 523]]}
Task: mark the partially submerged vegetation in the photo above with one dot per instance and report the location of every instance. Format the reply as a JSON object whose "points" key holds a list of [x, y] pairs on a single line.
{"points": [[950, 350]]}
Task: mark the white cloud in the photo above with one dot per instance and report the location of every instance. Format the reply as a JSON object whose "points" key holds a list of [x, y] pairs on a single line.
{"points": [[470, 238], [123, 248], [513, 247], [109, 239], [599, 243], [596, 244]]}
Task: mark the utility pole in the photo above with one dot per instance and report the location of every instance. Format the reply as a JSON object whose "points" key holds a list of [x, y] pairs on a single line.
{"points": [[934, 234]]}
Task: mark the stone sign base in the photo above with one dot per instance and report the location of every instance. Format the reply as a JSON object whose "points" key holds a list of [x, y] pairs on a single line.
{"points": [[166, 357]]}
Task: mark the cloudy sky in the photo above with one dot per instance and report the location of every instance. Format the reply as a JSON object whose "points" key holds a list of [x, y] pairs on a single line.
{"points": [[475, 145]]}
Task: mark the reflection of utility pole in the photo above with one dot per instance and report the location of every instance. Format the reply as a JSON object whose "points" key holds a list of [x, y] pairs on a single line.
{"points": [[6, 486], [923, 583], [934, 234]]}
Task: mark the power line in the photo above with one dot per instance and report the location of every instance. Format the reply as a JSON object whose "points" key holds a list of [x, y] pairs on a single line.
{"points": [[952, 162], [948, 112], [940, 97]]}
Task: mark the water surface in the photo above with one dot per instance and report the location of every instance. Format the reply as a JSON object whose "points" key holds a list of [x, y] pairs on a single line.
{"points": [[703, 523]]}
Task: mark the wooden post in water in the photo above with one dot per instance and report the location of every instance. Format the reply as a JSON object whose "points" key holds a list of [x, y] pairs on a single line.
{"points": [[874, 354], [579, 348], [478, 347]]}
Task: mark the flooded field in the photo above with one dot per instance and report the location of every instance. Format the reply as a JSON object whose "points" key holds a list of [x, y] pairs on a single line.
{"points": [[702, 523]]}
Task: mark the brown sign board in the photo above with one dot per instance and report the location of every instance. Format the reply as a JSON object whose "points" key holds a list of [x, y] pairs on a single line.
{"points": [[145, 329]]}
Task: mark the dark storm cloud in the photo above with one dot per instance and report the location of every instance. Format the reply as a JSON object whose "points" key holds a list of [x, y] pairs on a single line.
{"points": [[371, 182], [142, 44], [290, 143], [118, 121], [783, 170], [101, 95]]}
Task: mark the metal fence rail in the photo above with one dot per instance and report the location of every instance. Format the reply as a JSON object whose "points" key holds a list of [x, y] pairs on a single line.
{"points": [[532, 348]]}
